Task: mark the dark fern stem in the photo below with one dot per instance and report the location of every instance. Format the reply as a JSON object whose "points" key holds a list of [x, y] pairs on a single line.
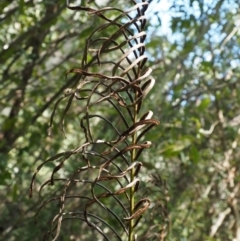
{"points": [[103, 186]]}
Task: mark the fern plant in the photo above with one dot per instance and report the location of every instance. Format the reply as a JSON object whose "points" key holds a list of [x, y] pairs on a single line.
{"points": [[102, 189]]}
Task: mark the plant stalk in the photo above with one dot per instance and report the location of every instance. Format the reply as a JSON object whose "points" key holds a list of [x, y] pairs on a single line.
{"points": [[133, 156]]}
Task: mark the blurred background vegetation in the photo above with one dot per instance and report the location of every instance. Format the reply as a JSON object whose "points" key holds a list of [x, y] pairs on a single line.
{"points": [[194, 50]]}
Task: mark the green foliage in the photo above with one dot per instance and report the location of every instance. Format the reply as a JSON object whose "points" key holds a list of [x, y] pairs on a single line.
{"points": [[196, 98]]}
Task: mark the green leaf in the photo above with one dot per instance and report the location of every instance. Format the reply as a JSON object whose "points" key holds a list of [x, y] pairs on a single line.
{"points": [[194, 154]]}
